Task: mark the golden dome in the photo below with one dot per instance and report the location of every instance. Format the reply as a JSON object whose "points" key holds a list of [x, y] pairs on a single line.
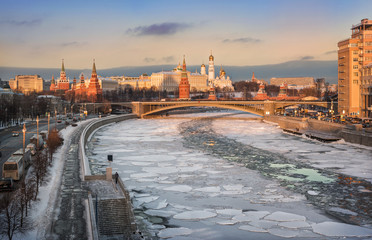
{"points": [[203, 65], [211, 58]]}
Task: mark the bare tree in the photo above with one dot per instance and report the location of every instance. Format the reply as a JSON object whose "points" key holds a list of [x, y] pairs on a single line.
{"points": [[53, 142], [40, 165], [11, 220]]}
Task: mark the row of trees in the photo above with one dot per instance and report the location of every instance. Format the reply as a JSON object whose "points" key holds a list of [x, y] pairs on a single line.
{"points": [[14, 206], [15, 108]]}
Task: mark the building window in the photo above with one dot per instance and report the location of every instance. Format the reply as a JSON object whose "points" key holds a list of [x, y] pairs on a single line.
{"points": [[368, 51], [353, 44], [355, 81], [355, 52], [356, 74], [355, 66], [355, 59], [368, 43]]}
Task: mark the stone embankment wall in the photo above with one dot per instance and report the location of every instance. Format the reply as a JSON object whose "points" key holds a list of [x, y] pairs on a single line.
{"points": [[86, 173], [93, 126], [351, 134]]}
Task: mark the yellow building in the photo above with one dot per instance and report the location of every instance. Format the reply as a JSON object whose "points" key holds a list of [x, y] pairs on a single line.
{"points": [[353, 54], [170, 80], [367, 91], [141, 82], [27, 83]]}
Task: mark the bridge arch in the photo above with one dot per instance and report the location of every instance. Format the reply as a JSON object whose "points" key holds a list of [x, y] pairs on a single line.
{"points": [[238, 107]]}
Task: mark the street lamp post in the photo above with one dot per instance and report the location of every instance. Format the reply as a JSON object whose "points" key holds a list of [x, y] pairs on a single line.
{"points": [[24, 143], [48, 121], [37, 132], [55, 118]]}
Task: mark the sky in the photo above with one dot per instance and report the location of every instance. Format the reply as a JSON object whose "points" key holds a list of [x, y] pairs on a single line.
{"points": [[138, 33]]}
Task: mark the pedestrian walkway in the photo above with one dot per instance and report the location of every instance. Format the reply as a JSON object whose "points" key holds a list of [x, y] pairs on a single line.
{"points": [[70, 223]]}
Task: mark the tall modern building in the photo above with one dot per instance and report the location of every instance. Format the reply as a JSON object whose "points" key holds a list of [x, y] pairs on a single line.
{"points": [[354, 54]]}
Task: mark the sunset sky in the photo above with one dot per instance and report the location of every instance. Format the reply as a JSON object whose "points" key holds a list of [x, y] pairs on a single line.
{"points": [[135, 33]]}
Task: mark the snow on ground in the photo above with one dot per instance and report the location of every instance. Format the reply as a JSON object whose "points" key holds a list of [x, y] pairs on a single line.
{"points": [[42, 210], [179, 191]]}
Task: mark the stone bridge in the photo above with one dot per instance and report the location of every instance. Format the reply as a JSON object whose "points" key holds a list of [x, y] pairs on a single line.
{"points": [[261, 108]]}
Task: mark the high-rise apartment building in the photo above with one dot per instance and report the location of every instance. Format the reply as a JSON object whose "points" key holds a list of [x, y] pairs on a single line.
{"points": [[353, 54]]}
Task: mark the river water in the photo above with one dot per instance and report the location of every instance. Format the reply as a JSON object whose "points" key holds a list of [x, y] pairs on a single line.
{"points": [[208, 178]]}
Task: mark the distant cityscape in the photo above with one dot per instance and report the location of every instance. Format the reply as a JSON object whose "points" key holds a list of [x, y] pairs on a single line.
{"points": [[353, 91]]}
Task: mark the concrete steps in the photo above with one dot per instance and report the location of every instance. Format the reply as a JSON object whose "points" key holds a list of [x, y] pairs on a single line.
{"points": [[113, 217]]}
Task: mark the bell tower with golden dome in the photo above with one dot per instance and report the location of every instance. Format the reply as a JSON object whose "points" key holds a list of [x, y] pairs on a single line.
{"points": [[211, 69], [202, 70]]}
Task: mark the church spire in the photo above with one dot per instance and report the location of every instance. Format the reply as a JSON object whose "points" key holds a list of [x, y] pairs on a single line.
{"points": [[63, 65], [184, 64], [94, 66]]}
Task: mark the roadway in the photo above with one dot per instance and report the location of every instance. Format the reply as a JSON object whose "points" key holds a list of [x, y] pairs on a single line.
{"points": [[10, 144]]}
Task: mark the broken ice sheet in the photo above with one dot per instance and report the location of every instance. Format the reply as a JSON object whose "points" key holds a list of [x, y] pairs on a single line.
{"points": [[231, 212], [142, 200], [252, 229], [179, 188], [294, 225], [283, 232], [227, 222], [284, 217], [160, 213], [334, 229], [157, 204], [173, 232], [195, 215], [209, 189]]}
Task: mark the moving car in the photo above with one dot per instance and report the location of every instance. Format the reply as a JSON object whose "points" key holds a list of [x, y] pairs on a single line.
{"points": [[6, 184], [15, 134]]}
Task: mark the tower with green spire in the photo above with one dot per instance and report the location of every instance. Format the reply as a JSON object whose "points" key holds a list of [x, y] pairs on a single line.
{"points": [[63, 84]]}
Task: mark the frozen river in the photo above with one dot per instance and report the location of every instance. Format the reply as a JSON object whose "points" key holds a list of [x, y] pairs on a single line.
{"points": [[237, 179]]}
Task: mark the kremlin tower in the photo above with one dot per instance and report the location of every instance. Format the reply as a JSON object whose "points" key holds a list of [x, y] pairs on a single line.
{"points": [[184, 87], [73, 87], [282, 91], [63, 83], [52, 84], [261, 94], [94, 91]]}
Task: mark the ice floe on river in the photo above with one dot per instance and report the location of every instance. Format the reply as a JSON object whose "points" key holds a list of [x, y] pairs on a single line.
{"points": [[183, 193]]}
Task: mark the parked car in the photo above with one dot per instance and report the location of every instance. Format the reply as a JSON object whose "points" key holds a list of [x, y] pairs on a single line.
{"points": [[74, 124], [15, 134]]}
